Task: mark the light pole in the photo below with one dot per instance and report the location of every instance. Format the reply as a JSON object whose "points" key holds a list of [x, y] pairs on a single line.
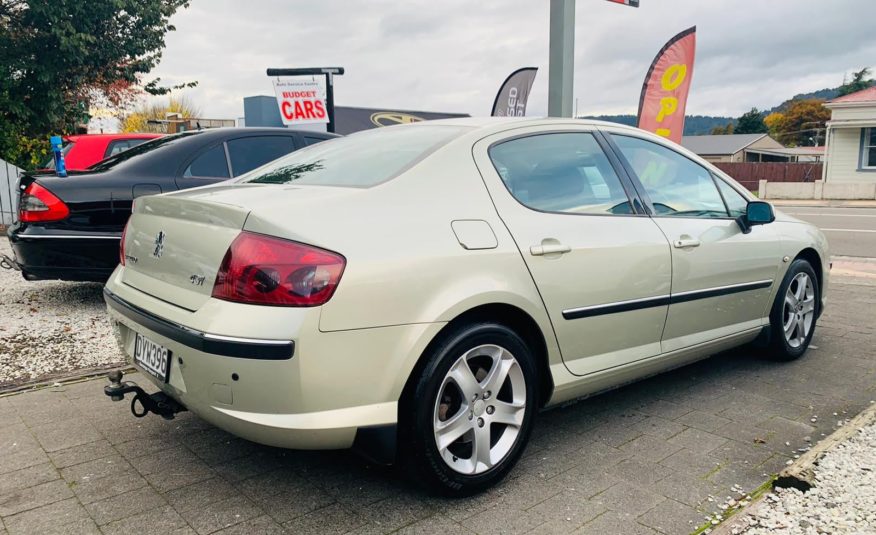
{"points": [[561, 66]]}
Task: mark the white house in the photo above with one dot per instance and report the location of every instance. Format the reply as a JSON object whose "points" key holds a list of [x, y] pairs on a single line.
{"points": [[851, 138]]}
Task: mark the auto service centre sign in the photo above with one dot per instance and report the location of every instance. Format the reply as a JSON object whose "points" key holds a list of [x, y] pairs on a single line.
{"points": [[301, 100]]}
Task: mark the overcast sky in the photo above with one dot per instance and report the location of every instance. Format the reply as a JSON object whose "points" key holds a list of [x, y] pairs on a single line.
{"points": [[451, 55]]}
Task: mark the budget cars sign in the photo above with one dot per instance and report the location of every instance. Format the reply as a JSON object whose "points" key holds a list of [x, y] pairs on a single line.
{"points": [[301, 101]]}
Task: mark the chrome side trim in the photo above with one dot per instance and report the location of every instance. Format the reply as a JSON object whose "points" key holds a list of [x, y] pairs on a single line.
{"points": [[227, 346], [663, 300], [619, 306], [242, 340], [65, 237], [692, 295]]}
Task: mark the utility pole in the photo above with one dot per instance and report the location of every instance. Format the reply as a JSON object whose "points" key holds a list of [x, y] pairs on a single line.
{"points": [[561, 67]]}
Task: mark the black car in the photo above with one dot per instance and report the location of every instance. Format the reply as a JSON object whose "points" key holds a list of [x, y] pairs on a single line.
{"points": [[69, 227]]}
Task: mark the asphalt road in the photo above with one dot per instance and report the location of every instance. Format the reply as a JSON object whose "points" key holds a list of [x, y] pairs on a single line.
{"points": [[850, 231]]}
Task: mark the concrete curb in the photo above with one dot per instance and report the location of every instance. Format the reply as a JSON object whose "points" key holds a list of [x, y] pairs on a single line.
{"points": [[800, 474], [821, 203]]}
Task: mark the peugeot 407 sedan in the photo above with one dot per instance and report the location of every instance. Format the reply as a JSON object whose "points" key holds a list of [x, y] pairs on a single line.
{"points": [[423, 290]]}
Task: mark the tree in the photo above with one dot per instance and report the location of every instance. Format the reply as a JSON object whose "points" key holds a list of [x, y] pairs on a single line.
{"points": [[721, 130], [859, 82], [802, 123], [58, 57], [772, 122], [138, 120], [750, 122]]}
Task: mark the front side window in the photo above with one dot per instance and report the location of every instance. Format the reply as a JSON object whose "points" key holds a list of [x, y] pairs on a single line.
{"points": [[211, 164], [868, 156], [247, 153], [362, 160], [676, 185], [737, 205], [560, 172]]}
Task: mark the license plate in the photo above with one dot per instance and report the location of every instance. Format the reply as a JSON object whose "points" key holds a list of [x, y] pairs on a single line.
{"points": [[152, 357]]}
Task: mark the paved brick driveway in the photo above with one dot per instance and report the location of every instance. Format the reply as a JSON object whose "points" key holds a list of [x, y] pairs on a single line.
{"points": [[641, 459]]}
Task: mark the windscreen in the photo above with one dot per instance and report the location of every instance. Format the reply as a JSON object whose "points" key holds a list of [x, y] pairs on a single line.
{"points": [[360, 160], [142, 148]]}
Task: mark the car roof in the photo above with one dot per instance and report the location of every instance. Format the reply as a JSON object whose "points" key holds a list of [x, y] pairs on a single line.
{"points": [[250, 130], [485, 126], [121, 135]]}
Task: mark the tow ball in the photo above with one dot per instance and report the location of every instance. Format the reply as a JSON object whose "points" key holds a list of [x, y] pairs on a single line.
{"points": [[158, 403]]}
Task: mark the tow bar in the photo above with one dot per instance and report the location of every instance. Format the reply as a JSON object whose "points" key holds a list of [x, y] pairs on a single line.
{"points": [[8, 263], [158, 403]]}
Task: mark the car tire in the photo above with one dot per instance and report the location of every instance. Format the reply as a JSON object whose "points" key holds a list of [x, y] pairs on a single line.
{"points": [[446, 401], [794, 312]]}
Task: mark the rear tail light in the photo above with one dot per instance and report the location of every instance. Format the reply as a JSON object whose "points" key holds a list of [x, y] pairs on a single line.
{"points": [[262, 270], [38, 204], [122, 245]]}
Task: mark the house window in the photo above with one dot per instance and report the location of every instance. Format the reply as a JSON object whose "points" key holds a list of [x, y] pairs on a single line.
{"points": [[868, 149]]}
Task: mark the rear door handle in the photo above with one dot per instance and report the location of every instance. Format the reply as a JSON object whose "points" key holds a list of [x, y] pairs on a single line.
{"points": [[683, 243], [549, 248]]}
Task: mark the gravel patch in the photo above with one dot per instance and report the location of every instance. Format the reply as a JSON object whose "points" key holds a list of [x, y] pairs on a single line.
{"points": [[843, 500], [51, 328]]}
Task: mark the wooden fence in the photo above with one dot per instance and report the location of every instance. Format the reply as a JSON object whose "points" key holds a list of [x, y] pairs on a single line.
{"points": [[8, 192], [750, 173]]}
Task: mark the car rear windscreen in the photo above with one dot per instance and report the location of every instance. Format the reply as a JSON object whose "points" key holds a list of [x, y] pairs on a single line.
{"points": [[361, 160]]}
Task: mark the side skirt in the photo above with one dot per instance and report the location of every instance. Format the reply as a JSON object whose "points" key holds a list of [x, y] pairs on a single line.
{"points": [[575, 388]]}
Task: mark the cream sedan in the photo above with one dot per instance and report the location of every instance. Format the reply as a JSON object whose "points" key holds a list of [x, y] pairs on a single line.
{"points": [[426, 289]]}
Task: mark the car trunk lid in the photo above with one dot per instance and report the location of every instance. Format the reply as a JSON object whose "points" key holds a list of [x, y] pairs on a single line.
{"points": [[174, 246], [177, 241]]}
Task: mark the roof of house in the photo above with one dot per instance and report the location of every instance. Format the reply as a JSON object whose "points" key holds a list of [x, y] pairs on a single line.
{"points": [[864, 95], [719, 144]]}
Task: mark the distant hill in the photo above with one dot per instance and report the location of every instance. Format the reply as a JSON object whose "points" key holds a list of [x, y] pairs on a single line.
{"points": [[696, 125], [693, 124]]}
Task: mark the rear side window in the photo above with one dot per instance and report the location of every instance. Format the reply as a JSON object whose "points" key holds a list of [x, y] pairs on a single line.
{"points": [[566, 173], [310, 140], [361, 160], [247, 153], [211, 164], [117, 146], [677, 186]]}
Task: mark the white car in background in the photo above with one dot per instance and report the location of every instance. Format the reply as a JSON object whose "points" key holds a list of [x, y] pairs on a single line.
{"points": [[421, 291]]}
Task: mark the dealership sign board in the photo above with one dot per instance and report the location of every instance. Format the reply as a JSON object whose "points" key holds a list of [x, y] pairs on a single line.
{"points": [[301, 100]]}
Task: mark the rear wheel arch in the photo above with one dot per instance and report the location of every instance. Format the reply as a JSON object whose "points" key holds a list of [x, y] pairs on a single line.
{"points": [[510, 316]]}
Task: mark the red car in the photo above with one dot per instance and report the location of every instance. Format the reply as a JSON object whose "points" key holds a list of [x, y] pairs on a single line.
{"points": [[83, 151]]}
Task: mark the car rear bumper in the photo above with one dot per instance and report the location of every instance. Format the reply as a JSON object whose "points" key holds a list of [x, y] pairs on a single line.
{"points": [[65, 255], [328, 391]]}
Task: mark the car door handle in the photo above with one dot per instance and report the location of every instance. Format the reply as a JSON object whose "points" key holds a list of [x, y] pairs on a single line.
{"points": [[683, 243], [549, 248]]}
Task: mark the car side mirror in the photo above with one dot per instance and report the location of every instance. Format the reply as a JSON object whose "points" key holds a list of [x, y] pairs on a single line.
{"points": [[756, 213]]}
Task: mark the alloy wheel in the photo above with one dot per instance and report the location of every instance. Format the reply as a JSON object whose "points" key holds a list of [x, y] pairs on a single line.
{"points": [[799, 310], [479, 410]]}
